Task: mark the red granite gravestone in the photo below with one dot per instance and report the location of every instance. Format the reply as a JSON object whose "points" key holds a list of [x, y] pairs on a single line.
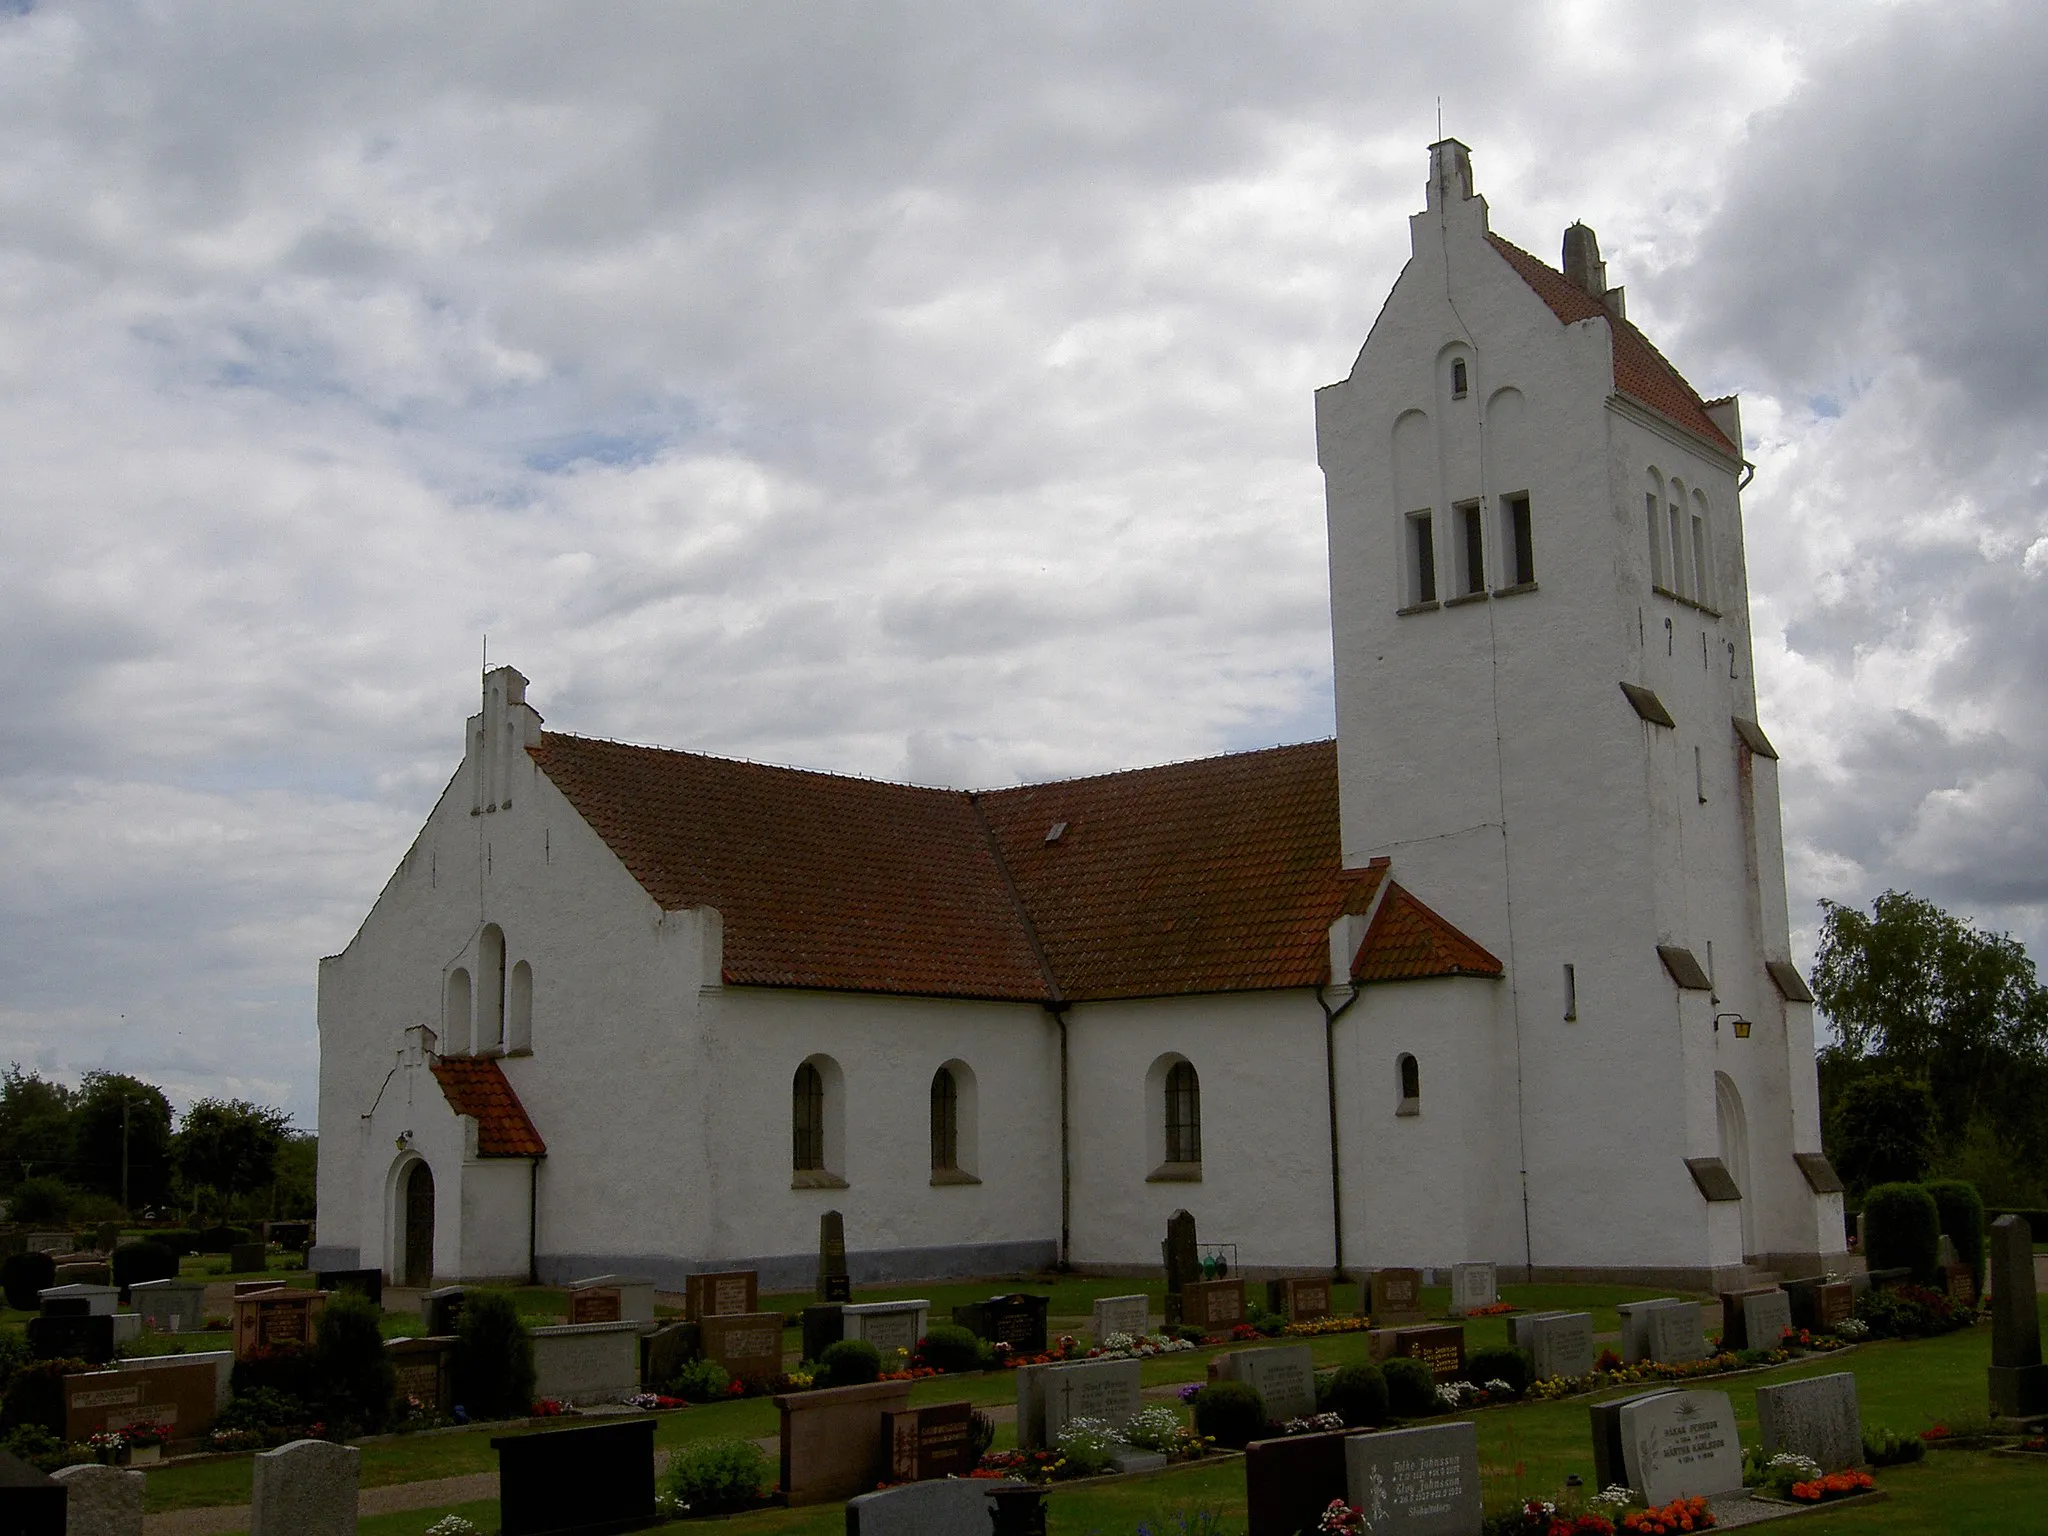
{"points": [[748, 1345], [721, 1295], [596, 1304], [923, 1443], [1299, 1301], [1396, 1297], [1441, 1347], [1212, 1305]]}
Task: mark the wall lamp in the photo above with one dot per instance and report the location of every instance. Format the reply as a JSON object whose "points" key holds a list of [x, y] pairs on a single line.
{"points": [[1741, 1024]]}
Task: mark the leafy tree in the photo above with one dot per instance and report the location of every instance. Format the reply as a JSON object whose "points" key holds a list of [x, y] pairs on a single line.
{"points": [[96, 1137], [298, 1162], [35, 1126], [230, 1146], [1882, 1131]]}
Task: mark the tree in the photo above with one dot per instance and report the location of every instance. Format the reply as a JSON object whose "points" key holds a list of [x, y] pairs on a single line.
{"points": [[1882, 1131], [35, 1127], [230, 1146], [97, 1153]]}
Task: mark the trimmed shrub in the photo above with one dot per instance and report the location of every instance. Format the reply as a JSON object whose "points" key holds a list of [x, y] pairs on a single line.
{"points": [[1901, 1229], [1888, 1448], [1960, 1211], [41, 1449], [1411, 1390], [180, 1240], [1357, 1394], [24, 1274], [286, 1369], [36, 1395], [849, 1363], [710, 1477], [701, 1381], [949, 1347], [143, 1261], [1231, 1413], [492, 1373], [357, 1379], [274, 1418], [1501, 1362], [38, 1202], [221, 1239]]}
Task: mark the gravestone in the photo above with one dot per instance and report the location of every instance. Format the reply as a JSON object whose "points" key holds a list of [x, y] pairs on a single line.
{"points": [[245, 1258], [90, 1339], [596, 1478], [176, 1391], [48, 1242], [1395, 1297], [78, 1300], [933, 1441], [369, 1282], [254, 1287], [102, 1501], [1182, 1258], [1676, 1334], [222, 1362], [1015, 1321], [888, 1325], [31, 1502], [307, 1488], [2018, 1380], [1608, 1468], [1121, 1314], [1473, 1286], [86, 1272], [834, 1284], [1561, 1343], [1755, 1319], [1679, 1445], [106, 1235], [1299, 1300], [824, 1324], [1635, 1324], [274, 1317], [170, 1306], [596, 1304], [832, 1439], [586, 1362], [1816, 1418], [1214, 1306], [748, 1345], [441, 1310], [1440, 1346], [422, 1367], [1960, 1284], [1018, 1508], [1820, 1303], [725, 1294], [1416, 1482], [1284, 1377], [1519, 1321], [1290, 1481], [664, 1352], [1109, 1390], [922, 1509], [627, 1298]]}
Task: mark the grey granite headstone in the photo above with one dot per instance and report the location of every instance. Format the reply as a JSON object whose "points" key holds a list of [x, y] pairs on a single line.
{"points": [[2019, 1382], [1473, 1286], [307, 1488], [102, 1501], [959, 1507], [170, 1306], [78, 1300], [1676, 1334], [1679, 1445], [1765, 1317], [1560, 1342], [1416, 1482], [1109, 1390], [888, 1325], [1635, 1325], [1285, 1378], [1121, 1314], [1817, 1418], [1519, 1321], [1608, 1463]]}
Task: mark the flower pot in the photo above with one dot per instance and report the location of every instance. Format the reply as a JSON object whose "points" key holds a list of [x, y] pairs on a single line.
{"points": [[145, 1455]]}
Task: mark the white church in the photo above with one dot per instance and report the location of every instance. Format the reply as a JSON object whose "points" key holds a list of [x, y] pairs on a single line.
{"points": [[1501, 973]]}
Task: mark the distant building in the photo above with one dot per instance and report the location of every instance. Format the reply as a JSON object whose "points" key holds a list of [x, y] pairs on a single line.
{"points": [[1501, 973]]}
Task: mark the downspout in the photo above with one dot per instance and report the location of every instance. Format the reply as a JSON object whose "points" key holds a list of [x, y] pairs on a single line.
{"points": [[1059, 1014], [1330, 1018], [533, 1221]]}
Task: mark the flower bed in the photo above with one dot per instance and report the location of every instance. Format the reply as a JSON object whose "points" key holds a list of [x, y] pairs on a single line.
{"points": [[1609, 1371]]}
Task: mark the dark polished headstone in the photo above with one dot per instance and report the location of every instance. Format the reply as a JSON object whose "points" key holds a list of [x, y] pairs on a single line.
{"points": [[577, 1482], [1608, 1461], [441, 1310], [1182, 1259], [1016, 1319], [1290, 1481], [824, 1325], [72, 1338], [833, 1281], [2018, 1380]]}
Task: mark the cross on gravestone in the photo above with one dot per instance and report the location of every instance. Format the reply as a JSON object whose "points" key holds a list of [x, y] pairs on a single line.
{"points": [[834, 1283], [307, 1488], [1182, 1259], [2018, 1380]]}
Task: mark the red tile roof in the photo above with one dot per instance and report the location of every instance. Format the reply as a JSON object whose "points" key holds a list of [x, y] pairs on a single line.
{"points": [[474, 1086], [1406, 941], [1640, 370], [1217, 875]]}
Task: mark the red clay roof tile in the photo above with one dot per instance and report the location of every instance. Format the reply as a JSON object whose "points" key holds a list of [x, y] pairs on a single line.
{"points": [[474, 1086], [1406, 941], [1640, 370]]}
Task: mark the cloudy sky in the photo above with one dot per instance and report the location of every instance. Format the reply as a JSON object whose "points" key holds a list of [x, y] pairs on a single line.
{"points": [[915, 389]]}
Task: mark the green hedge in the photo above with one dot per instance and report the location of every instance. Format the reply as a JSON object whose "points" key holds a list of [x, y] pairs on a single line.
{"points": [[1902, 1230], [1961, 1212]]}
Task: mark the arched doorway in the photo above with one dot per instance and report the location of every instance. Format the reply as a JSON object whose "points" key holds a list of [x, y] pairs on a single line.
{"points": [[419, 1226], [1732, 1127]]}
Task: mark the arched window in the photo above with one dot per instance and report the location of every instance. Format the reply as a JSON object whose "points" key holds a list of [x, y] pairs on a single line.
{"points": [[1458, 381], [945, 1121], [1702, 552], [1653, 512], [1183, 1114], [490, 1012], [807, 1119], [455, 1014], [1409, 1081], [519, 1005]]}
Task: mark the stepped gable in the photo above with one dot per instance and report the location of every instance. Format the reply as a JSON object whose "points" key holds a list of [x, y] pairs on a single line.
{"points": [[474, 1086], [1218, 875], [1406, 941], [1640, 371]]}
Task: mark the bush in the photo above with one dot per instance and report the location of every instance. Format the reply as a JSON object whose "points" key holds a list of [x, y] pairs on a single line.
{"points": [[701, 1381], [143, 1261], [38, 1202], [180, 1240], [849, 1363], [948, 1347], [1357, 1394], [14, 1353], [41, 1449], [1960, 1212], [356, 1377], [1882, 1130], [1888, 1448], [24, 1274], [275, 1418], [36, 1395], [286, 1369], [1411, 1390], [1501, 1362], [492, 1373], [1231, 1413], [710, 1477], [1901, 1229], [221, 1239], [1909, 1312]]}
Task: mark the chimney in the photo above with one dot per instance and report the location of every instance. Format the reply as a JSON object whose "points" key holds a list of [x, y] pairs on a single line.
{"points": [[1583, 268], [499, 735], [1450, 173]]}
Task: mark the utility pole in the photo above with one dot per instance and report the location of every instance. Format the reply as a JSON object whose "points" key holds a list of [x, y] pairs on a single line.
{"points": [[124, 1154]]}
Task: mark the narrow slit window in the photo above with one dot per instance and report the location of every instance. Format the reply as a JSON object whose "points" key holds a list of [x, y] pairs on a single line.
{"points": [[1657, 573], [1699, 775], [1471, 548], [945, 1121], [1421, 559], [1183, 1114], [1519, 539], [807, 1119], [1408, 1084], [1703, 586], [1458, 384], [1571, 992], [1678, 581]]}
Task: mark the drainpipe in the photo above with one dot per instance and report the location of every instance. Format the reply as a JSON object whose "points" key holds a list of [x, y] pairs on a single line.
{"points": [[1330, 1018], [533, 1221], [1059, 1014]]}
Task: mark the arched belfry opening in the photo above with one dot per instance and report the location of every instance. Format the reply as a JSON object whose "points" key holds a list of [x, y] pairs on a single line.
{"points": [[416, 1253]]}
